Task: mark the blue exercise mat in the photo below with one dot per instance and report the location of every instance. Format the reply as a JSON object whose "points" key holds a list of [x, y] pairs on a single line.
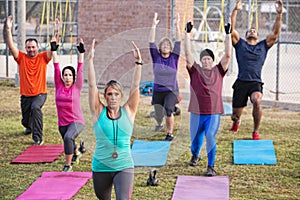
{"points": [[257, 152], [150, 153], [227, 109]]}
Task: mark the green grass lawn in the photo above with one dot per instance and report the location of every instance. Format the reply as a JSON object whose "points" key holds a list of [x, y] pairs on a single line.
{"points": [[280, 181]]}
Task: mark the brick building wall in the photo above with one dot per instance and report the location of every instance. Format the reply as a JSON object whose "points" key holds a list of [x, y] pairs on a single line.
{"points": [[114, 24]]}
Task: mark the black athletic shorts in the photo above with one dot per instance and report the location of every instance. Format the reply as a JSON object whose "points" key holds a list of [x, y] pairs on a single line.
{"points": [[242, 90]]}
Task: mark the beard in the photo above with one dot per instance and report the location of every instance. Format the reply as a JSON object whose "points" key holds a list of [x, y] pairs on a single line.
{"points": [[31, 54], [251, 37]]}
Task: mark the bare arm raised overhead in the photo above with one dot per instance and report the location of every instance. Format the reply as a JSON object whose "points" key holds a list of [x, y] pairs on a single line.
{"points": [[9, 39], [235, 35], [153, 28], [133, 101], [178, 34], [96, 106], [54, 43], [272, 37]]}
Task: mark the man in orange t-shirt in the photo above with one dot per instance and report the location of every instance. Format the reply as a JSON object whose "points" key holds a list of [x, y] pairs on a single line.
{"points": [[33, 86]]}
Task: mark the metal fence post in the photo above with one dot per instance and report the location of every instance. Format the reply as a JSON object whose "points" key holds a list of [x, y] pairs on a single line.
{"points": [[277, 68]]}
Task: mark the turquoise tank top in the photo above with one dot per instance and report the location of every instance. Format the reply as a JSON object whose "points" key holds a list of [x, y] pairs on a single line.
{"points": [[109, 132]]}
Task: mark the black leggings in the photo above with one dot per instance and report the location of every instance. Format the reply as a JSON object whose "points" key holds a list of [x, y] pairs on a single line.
{"points": [[122, 181]]}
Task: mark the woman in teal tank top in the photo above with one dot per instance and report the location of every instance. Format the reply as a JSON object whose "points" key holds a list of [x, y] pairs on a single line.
{"points": [[112, 163]]}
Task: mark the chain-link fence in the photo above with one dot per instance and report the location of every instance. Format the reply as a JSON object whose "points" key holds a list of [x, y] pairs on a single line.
{"points": [[280, 73], [40, 18], [281, 69]]}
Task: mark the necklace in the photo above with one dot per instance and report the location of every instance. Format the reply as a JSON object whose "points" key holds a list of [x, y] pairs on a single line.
{"points": [[114, 155]]}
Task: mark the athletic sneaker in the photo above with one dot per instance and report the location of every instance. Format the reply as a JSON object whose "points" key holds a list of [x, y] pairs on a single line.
{"points": [[235, 126], [67, 168], [76, 158], [194, 161], [38, 142], [27, 131], [211, 171], [82, 148], [159, 128], [255, 136], [169, 137]]}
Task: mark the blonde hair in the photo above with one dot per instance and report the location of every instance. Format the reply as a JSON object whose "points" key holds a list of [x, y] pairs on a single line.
{"points": [[115, 85], [164, 39]]}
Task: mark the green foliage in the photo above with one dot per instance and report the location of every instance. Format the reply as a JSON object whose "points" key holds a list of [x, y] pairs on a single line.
{"points": [[280, 181]]}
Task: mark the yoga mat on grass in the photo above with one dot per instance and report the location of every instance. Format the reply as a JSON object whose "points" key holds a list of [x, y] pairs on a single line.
{"points": [[56, 185], [201, 187], [150, 153], [39, 154], [259, 152]]}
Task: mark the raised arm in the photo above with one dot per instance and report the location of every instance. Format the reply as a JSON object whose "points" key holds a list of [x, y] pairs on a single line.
{"points": [[272, 37], [53, 47], [178, 33], [81, 51], [187, 44], [131, 105], [79, 76], [57, 77], [228, 47], [94, 101], [153, 28], [50, 52], [9, 39], [235, 35]]}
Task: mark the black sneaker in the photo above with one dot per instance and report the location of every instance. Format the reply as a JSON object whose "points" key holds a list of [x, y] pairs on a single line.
{"points": [[169, 137], [194, 161], [82, 149], [76, 158], [159, 128], [67, 168], [38, 142], [211, 171], [27, 131], [177, 111]]}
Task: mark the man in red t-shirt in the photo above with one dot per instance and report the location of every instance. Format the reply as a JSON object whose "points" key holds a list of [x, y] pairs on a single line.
{"points": [[33, 86], [206, 104]]}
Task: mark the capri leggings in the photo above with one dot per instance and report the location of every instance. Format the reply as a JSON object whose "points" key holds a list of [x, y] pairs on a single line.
{"points": [[204, 125], [68, 134], [122, 181], [164, 103]]}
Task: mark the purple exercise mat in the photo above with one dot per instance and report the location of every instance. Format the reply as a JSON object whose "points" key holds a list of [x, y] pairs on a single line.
{"points": [[56, 185], [201, 187]]}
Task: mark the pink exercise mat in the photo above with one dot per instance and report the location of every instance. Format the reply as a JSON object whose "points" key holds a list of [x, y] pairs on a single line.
{"points": [[56, 185], [39, 154], [201, 187]]}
